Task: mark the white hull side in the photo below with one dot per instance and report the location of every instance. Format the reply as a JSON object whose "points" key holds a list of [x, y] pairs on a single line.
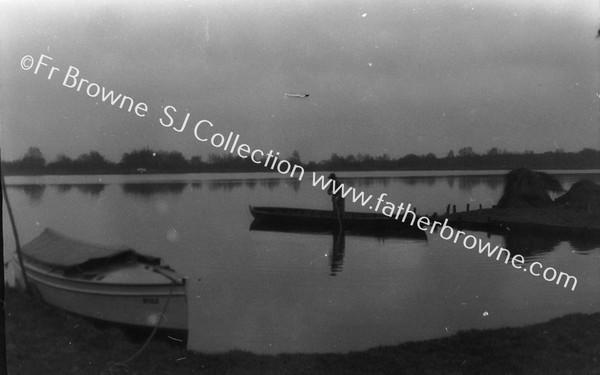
{"points": [[137, 305]]}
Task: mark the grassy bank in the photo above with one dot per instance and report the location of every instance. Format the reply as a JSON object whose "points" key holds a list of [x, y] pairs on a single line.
{"points": [[43, 340]]}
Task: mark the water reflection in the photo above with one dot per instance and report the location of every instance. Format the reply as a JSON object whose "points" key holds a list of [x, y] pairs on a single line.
{"points": [[63, 188], [251, 184], [270, 183], [226, 185], [365, 182], [336, 260], [532, 245], [33, 192], [469, 183], [465, 183], [585, 245], [91, 189], [336, 256], [295, 184], [412, 181], [147, 190], [231, 185]]}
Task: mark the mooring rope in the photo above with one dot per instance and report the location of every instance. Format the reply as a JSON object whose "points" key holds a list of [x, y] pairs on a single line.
{"points": [[123, 363]]}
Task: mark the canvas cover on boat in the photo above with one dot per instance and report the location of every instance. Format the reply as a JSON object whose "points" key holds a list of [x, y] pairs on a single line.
{"points": [[55, 249]]}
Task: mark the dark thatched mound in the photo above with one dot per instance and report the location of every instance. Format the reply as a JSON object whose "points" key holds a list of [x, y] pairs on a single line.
{"points": [[583, 194], [526, 188]]}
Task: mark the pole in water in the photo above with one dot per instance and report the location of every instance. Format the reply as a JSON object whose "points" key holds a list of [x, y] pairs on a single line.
{"points": [[16, 235]]}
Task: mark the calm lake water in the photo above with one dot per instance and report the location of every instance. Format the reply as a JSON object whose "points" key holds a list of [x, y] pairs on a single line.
{"points": [[272, 292]]}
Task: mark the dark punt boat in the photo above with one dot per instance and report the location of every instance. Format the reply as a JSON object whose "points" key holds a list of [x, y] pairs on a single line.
{"points": [[325, 220]]}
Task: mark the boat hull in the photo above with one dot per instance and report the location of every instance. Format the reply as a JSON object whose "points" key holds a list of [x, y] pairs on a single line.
{"points": [[139, 305], [309, 220]]}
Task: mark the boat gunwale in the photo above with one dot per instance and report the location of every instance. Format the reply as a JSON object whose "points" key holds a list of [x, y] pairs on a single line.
{"points": [[262, 212], [133, 294], [50, 273]]}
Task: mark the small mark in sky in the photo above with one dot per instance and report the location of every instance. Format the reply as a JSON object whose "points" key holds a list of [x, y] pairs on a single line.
{"points": [[286, 95], [364, 15], [370, 207], [525, 269], [485, 313]]}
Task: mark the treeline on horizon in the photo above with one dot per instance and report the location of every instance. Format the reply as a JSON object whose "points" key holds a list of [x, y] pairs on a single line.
{"points": [[146, 160]]}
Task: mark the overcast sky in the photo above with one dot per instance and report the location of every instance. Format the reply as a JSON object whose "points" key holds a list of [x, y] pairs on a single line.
{"points": [[392, 77]]}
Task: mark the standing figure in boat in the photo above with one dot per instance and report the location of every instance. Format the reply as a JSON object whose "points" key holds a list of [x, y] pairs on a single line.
{"points": [[336, 197]]}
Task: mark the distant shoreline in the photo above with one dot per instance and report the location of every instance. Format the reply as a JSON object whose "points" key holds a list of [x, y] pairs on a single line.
{"points": [[150, 173], [148, 161]]}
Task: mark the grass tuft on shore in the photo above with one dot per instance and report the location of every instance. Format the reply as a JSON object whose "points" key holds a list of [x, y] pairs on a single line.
{"points": [[44, 340]]}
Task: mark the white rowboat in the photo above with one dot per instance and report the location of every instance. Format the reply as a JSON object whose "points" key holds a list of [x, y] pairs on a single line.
{"points": [[113, 284]]}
